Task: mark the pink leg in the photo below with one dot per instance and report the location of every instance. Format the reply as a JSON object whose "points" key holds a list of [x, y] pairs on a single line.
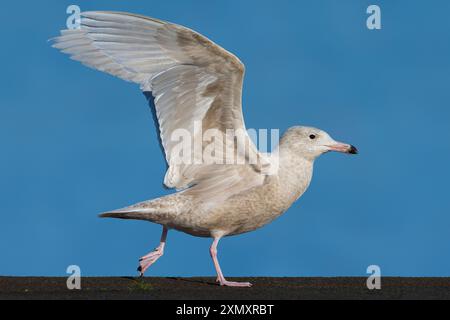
{"points": [[220, 278], [146, 261]]}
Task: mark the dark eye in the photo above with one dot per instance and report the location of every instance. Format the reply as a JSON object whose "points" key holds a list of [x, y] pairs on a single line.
{"points": [[312, 136]]}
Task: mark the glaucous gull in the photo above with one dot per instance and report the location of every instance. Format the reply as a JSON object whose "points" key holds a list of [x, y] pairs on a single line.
{"points": [[197, 86]]}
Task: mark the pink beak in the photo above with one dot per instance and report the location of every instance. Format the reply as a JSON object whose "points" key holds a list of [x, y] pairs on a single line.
{"points": [[343, 147]]}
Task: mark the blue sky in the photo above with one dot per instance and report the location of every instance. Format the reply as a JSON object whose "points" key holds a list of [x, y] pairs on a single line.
{"points": [[76, 142]]}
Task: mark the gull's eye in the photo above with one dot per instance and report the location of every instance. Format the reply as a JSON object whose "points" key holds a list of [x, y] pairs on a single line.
{"points": [[312, 136]]}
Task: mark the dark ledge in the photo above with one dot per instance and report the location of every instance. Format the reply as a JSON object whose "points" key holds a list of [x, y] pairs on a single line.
{"points": [[205, 288]]}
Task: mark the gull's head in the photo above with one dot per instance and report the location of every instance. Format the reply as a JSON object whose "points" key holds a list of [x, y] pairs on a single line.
{"points": [[312, 142]]}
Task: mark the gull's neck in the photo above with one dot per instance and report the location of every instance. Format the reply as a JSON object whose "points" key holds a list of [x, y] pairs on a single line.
{"points": [[295, 171]]}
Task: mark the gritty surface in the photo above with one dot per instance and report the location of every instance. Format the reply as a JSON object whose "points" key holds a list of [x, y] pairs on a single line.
{"points": [[205, 288]]}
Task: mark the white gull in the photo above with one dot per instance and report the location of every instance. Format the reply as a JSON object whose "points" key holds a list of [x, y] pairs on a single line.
{"points": [[193, 80]]}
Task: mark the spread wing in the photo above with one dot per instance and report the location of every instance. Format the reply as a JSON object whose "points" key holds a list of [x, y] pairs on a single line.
{"points": [[196, 85]]}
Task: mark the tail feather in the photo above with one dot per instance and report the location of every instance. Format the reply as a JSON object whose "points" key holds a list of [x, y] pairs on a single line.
{"points": [[154, 210], [130, 213]]}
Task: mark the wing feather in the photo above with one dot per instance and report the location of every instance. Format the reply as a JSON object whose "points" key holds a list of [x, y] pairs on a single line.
{"points": [[196, 85]]}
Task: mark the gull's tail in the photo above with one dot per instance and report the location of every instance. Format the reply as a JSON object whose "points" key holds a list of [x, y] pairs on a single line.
{"points": [[130, 213], [156, 210], [147, 210]]}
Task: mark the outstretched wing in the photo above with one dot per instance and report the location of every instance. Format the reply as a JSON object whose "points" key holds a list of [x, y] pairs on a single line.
{"points": [[197, 85]]}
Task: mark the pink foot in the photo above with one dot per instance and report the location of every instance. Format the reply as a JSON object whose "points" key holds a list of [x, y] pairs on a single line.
{"points": [[234, 284], [146, 261], [220, 278]]}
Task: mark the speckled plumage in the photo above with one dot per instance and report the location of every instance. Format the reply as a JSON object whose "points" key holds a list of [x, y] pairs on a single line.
{"points": [[237, 214], [197, 86]]}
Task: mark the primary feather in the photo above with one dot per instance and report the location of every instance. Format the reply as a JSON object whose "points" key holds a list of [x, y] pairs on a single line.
{"points": [[192, 79]]}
